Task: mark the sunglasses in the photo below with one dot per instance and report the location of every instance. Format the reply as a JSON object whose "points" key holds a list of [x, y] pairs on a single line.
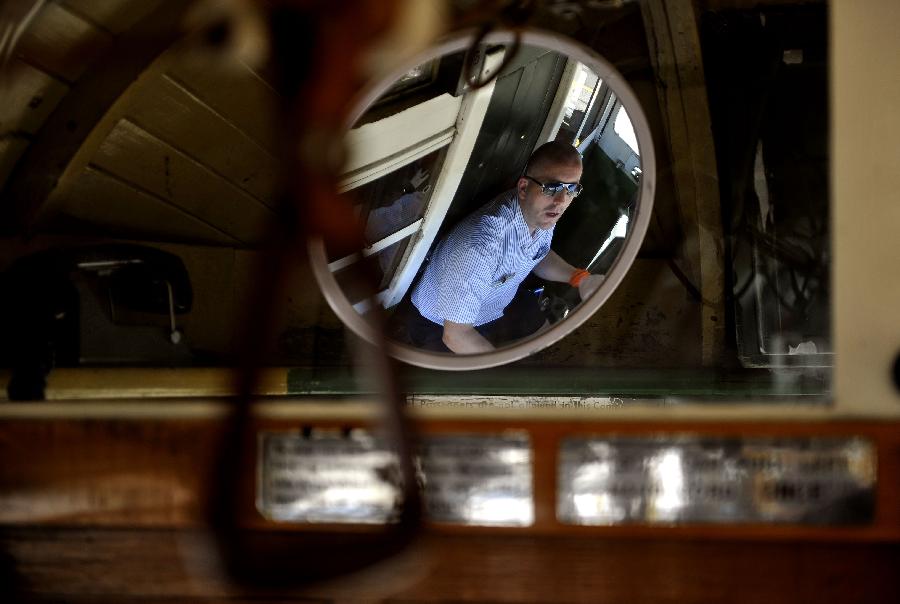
{"points": [[550, 189]]}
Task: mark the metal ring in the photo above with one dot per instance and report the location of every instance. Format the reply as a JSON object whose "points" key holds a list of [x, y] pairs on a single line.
{"points": [[448, 361], [468, 62]]}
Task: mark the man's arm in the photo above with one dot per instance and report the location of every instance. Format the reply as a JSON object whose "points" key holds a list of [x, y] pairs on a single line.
{"points": [[463, 338], [554, 268]]}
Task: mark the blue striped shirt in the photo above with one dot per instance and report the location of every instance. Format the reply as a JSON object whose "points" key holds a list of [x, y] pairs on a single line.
{"points": [[476, 269]]}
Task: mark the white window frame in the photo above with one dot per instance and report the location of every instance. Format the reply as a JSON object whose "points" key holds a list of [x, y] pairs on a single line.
{"points": [[590, 106], [558, 106], [602, 123], [378, 148]]}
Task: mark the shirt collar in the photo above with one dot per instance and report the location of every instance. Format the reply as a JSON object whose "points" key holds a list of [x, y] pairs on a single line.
{"points": [[523, 231]]}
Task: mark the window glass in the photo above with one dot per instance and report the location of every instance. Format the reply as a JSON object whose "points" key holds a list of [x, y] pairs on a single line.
{"points": [[394, 201], [579, 99], [384, 263]]}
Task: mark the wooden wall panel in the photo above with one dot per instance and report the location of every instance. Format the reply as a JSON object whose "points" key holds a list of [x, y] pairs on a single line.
{"points": [[150, 566], [717, 5], [181, 120], [140, 158], [62, 43], [103, 470], [105, 473], [29, 96], [214, 316], [303, 303], [121, 210], [111, 509], [674, 43], [649, 321], [223, 280], [234, 91]]}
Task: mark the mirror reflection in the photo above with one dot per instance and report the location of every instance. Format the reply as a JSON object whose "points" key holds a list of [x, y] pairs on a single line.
{"points": [[136, 239], [491, 213]]}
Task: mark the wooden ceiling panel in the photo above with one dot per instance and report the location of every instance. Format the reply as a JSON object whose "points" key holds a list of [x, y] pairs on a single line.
{"points": [[235, 92], [184, 122], [136, 156], [29, 96], [62, 43], [114, 16], [118, 209]]}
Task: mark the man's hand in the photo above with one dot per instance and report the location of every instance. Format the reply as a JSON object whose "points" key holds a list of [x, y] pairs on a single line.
{"points": [[554, 268], [463, 338], [589, 285]]}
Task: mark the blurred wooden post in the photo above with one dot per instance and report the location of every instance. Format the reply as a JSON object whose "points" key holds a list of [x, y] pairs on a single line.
{"points": [[674, 43]]}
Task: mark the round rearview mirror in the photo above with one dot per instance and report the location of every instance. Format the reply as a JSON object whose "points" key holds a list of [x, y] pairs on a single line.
{"points": [[498, 218]]}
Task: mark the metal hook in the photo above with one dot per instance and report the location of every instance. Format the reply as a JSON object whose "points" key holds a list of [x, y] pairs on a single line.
{"points": [[472, 56], [513, 16]]}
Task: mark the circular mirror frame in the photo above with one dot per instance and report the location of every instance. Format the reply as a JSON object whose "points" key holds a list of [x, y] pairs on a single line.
{"points": [[581, 313]]}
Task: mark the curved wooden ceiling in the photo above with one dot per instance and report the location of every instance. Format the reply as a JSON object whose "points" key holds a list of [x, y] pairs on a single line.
{"points": [[110, 129]]}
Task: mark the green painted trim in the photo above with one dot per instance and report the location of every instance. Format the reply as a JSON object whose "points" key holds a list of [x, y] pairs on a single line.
{"points": [[561, 381]]}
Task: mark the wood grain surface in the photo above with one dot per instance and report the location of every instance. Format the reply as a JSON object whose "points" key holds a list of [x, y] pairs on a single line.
{"points": [[129, 565], [155, 472]]}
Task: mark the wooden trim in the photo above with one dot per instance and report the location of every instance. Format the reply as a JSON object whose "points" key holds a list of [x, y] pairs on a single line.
{"points": [[367, 174], [141, 383], [674, 43], [502, 394], [144, 472], [154, 566], [375, 142]]}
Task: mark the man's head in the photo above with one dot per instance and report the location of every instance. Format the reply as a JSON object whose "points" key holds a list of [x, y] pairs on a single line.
{"points": [[551, 163]]}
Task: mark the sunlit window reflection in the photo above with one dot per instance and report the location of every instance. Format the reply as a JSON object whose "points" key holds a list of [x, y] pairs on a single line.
{"points": [[620, 229], [668, 476], [498, 509], [625, 130]]}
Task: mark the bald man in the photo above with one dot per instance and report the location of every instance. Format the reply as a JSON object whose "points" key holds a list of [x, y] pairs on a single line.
{"points": [[468, 298]]}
